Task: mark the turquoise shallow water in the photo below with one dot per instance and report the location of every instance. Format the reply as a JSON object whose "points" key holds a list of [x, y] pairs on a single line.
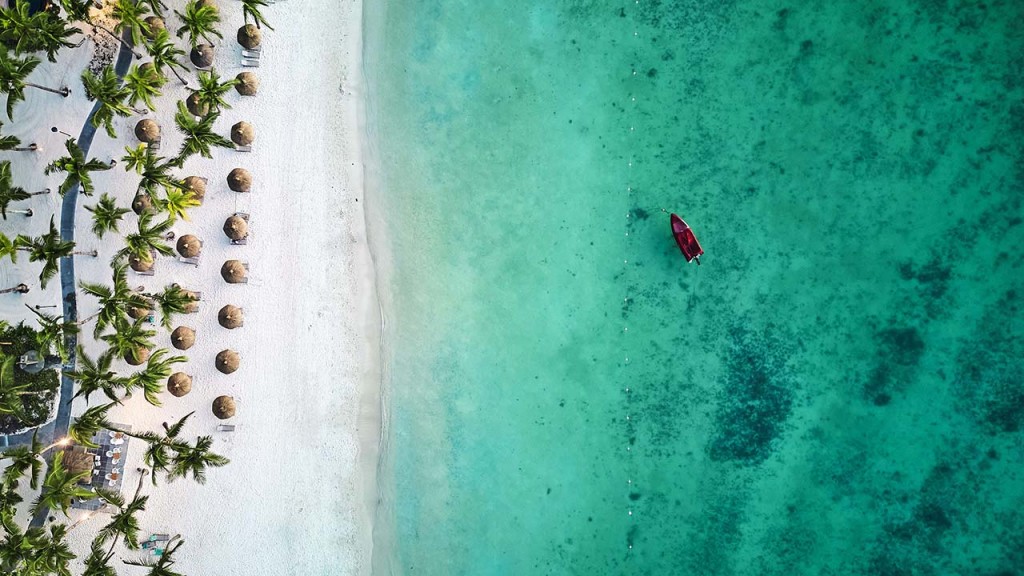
{"points": [[836, 390]]}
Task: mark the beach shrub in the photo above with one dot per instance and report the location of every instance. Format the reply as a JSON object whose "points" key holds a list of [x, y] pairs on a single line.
{"points": [[44, 384]]}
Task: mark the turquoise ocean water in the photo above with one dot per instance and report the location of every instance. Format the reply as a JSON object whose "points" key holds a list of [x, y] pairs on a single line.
{"points": [[836, 390]]}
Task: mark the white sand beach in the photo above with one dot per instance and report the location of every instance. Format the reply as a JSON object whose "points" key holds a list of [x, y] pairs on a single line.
{"points": [[297, 496]]}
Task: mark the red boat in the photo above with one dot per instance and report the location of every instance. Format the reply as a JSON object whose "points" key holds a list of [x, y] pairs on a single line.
{"points": [[685, 239]]}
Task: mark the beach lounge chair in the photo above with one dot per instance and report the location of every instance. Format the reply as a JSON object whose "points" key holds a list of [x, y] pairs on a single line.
{"points": [[246, 148], [250, 62], [253, 53], [225, 428]]}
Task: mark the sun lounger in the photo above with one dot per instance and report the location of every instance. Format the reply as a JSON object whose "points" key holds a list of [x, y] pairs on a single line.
{"points": [[193, 261], [225, 427], [250, 62], [253, 53], [241, 148], [149, 272]]}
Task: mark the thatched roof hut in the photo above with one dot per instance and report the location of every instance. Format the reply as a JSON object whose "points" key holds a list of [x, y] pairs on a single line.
{"points": [[210, 3], [201, 56], [153, 24], [197, 186], [224, 407], [230, 317], [136, 312], [243, 134], [147, 130], [193, 306], [140, 264], [196, 106], [189, 246], [228, 361], [149, 69], [142, 202], [249, 36], [236, 228], [183, 337], [179, 384], [248, 83], [239, 180], [234, 272], [77, 461]]}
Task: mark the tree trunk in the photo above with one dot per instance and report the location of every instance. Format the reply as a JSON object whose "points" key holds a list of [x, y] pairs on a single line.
{"points": [[27, 212], [46, 191], [118, 38], [20, 289], [63, 92], [178, 76], [30, 148], [93, 253]]}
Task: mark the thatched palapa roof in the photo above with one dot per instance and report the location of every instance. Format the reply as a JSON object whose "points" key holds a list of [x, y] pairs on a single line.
{"points": [[248, 83], [197, 186], [179, 384], [230, 317], [189, 246], [224, 407], [77, 461], [201, 56], [228, 361], [153, 23], [233, 271], [197, 108], [147, 130], [183, 337], [138, 358], [239, 180], [236, 228], [249, 36], [243, 134], [139, 264]]}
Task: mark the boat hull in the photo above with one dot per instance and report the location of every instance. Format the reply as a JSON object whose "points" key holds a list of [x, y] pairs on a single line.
{"points": [[685, 239]]}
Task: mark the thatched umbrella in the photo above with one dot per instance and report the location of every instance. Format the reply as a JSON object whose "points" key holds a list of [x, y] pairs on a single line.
{"points": [[239, 180], [249, 36], [201, 56], [243, 134], [78, 461], [236, 228], [140, 264], [224, 407], [136, 312], [210, 3], [195, 106], [192, 306], [189, 246], [140, 356], [153, 24], [142, 202], [183, 337], [233, 272], [248, 83], [179, 384], [147, 130], [228, 361], [149, 69], [230, 317], [197, 186]]}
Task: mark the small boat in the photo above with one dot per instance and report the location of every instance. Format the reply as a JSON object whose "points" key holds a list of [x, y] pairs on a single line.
{"points": [[687, 242]]}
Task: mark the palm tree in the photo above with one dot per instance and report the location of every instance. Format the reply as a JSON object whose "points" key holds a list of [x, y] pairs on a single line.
{"points": [[176, 202], [195, 459], [131, 16], [78, 11], [111, 95], [86, 426], [251, 9], [9, 247], [116, 300], [13, 74], [26, 32], [97, 563], [165, 54], [211, 90], [154, 172], [162, 565], [24, 459], [147, 240], [61, 487], [130, 340], [200, 22], [159, 447], [173, 300], [77, 168], [106, 215], [49, 249], [93, 376], [9, 193], [51, 553], [123, 524], [143, 86], [13, 143], [11, 392], [151, 378], [199, 134], [53, 333]]}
